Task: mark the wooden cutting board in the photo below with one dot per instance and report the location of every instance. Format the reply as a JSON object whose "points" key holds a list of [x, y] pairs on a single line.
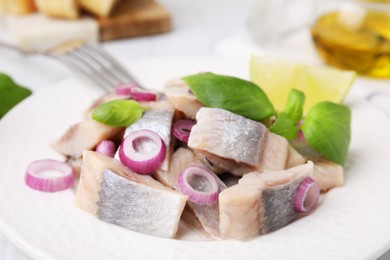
{"points": [[134, 18]]}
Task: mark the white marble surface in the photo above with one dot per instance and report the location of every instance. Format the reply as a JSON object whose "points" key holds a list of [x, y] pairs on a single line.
{"points": [[202, 27]]}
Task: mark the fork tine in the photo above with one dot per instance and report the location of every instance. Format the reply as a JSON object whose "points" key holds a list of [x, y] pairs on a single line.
{"points": [[103, 55], [105, 67], [92, 62], [96, 68], [82, 69]]}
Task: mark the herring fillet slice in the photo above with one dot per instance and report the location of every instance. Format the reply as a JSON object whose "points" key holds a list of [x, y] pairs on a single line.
{"points": [[138, 207], [84, 135], [181, 97], [261, 202], [236, 144], [159, 120], [90, 194], [204, 218]]}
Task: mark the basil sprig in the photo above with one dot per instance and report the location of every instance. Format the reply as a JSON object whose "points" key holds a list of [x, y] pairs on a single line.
{"points": [[286, 122], [284, 126], [294, 105], [327, 129], [119, 113], [236, 95], [10, 94]]}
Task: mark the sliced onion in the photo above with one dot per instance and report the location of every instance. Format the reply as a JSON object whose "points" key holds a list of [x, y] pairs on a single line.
{"points": [[106, 147], [49, 175], [142, 151], [199, 185], [140, 94], [182, 129], [125, 88], [307, 196]]}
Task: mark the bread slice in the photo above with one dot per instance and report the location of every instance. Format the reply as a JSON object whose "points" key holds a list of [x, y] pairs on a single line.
{"points": [[3, 6], [68, 9], [18, 7], [134, 18], [101, 8]]}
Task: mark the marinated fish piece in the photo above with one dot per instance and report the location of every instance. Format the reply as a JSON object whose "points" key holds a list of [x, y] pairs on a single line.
{"points": [[275, 153], [261, 202], [328, 174], [229, 179], [181, 97], [207, 214], [204, 218], [85, 135], [236, 144], [138, 207], [294, 158], [181, 159], [159, 120], [108, 190]]}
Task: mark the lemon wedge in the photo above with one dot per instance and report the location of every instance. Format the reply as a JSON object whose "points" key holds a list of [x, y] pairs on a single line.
{"points": [[277, 77]]}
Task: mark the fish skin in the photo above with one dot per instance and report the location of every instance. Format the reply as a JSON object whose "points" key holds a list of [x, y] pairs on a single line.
{"points": [[159, 120], [94, 164], [260, 203], [138, 207], [222, 139], [182, 99], [224, 134], [278, 206]]}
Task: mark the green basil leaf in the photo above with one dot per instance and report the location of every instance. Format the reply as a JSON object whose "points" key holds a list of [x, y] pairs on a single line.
{"points": [[10, 94], [327, 129], [285, 127], [118, 112], [236, 95], [294, 105]]}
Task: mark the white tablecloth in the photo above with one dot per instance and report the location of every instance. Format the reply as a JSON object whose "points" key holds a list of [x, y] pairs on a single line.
{"points": [[198, 28]]}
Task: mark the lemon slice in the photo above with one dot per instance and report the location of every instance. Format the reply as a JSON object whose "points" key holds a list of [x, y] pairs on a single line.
{"points": [[277, 77]]}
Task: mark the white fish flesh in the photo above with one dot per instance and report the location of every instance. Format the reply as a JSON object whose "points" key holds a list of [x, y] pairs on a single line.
{"points": [[85, 135], [236, 144], [113, 193], [204, 218], [181, 97], [294, 158], [181, 159], [328, 174], [261, 202], [159, 120]]}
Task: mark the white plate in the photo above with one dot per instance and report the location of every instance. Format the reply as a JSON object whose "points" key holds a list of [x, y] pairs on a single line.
{"points": [[352, 222]]}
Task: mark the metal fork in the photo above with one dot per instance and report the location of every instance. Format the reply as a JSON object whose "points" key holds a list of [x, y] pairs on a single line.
{"points": [[88, 60]]}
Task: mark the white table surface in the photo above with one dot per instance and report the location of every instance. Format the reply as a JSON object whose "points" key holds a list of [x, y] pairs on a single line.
{"points": [[202, 27]]}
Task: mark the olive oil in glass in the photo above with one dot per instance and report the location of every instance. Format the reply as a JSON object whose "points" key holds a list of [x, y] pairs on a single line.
{"points": [[356, 39]]}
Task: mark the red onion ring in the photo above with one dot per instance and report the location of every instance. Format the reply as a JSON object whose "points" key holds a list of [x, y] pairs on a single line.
{"points": [[135, 155], [199, 185], [36, 180], [125, 88], [140, 94], [106, 147], [182, 129], [307, 196]]}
